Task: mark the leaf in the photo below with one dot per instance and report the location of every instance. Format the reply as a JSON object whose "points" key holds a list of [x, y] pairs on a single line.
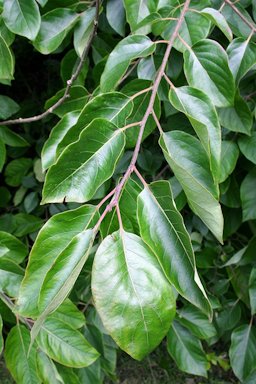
{"points": [[135, 12], [252, 290], [8, 107], [6, 34], [12, 248], [236, 23], [132, 296], [1, 335], [219, 20], [79, 172], [115, 13], [70, 314], [25, 224], [46, 369], [22, 17], [53, 239], [16, 170], [11, 138], [11, 276], [242, 351], [21, 366], [229, 157], [194, 175], [83, 30], [242, 57], [163, 230], [186, 350], [206, 68], [248, 196], [2, 155], [128, 49], [247, 146], [6, 61], [203, 117], [65, 345], [237, 118], [58, 132], [54, 28]]}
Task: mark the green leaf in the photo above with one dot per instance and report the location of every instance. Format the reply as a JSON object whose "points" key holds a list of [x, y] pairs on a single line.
{"points": [[54, 28], [219, 20], [242, 57], [6, 61], [70, 314], [247, 145], [11, 276], [252, 290], [206, 68], [54, 238], [46, 369], [132, 296], [1, 336], [243, 351], [135, 12], [115, 13], [22, 17], [8, 107], [203, 117], [58, 132], [193, 173], [163, 230], [229, 157], [130, 48], [12, 248], [78, 173], [69, 64], [25, 224], [237, 24], [248, 196], [6, 34], [186, 350], [237, 118], [21, 366], [65, 345], [83, 30], [16, 170], [11, 138], [2, 154]]}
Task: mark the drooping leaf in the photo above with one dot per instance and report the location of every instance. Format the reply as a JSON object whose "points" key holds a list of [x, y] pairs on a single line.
{"points": [[21, 365], [248, 196], [242, 57], [252, 290], [11, 138], [115, 13], [203, 117], [2, 154], [229, 156], [219, 20], [85, 165], [46, 369], [193, 173], [22, 17], [163, 229], [247, 145], [206, 68], [12, 248], [53, 239], [186, 350], [83, 30], [131, 294], [6, 61], [130, 48]]}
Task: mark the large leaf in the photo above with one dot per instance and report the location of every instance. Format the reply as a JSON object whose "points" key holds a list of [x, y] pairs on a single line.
{"points": [[186, 350], [247, 145], [54, 28], [22, 17], [12, 248], [53, 239], [219, 20], [21, 365], [6, 61], [203, 117], [248, 196], [237, 24], [83, 30], [163, 229], [131, 294], [84, 165], [206, 68], [193, 173], [242, 57], [252, 290], [65, 345], [127, 50], [243, 351], [46, 369]]}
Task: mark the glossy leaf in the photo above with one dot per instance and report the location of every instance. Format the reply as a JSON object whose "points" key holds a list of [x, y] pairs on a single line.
{"points": [[248, 196], [8, 107], [2, 155], [203, 117], [53, 239], [136, 11], [83, 30], [6, 34], [163, 230], [11, 276], [65, 345], [193, 173], [130, 48], [84, 165], [115, 13], [247, 146], [6, 61], [219, 20], [131, 294], [252, 290], [21, 365], [12, 248], [11, 138], [186, 350], [46, 369], [22, 17], [239, 27], [242, 57], [70, 314], [229, 157], [206, 68]]}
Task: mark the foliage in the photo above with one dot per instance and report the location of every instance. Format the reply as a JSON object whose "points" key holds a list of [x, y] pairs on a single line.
{"points": [[128, 204]]}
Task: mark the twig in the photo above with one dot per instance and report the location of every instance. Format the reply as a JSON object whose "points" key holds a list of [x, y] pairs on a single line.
{"points": [[11, 306], [240, 15], [129, 72], [168, 80], [141, 92], [248, 97], [130, 126], [140, 177], [157, 122], [161, 172], [70, 82]]}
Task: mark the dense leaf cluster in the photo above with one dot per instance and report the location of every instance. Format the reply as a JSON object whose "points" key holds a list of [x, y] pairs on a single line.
{"points": [[130, 200]]}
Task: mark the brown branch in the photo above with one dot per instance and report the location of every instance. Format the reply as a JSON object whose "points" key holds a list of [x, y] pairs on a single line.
{"points": [[157, 122], [236, 10], [70, 82]]}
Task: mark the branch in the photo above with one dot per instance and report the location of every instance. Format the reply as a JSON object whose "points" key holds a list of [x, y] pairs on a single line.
{"points": [[70, 82], [236, 10]]}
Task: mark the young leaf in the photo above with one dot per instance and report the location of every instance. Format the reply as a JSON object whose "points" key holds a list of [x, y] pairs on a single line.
{"points": [[46, 369], [12, 248], [115, 13], [6, 61], [229, 156], [128, 49], [21, 365], [186, 350], [219, 20], [252, 290], [163, 230], [53, 239], [65, 345], [203, 117], [22, 17], [248, 196], [83, 30], [206, 68], [11, 138], [194, 175], [85, 165], [131, 294], [247, 145]]}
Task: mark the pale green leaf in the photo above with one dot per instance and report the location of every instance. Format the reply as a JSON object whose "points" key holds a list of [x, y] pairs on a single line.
{"points": [[11, 276], [115, 13], [46, 369], [6, 61], [219, 20], [70, 314], [229, 157], [242, 57]]}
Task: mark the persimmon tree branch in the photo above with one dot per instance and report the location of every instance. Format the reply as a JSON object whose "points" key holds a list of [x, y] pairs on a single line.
{"points": [[70, 82]]}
